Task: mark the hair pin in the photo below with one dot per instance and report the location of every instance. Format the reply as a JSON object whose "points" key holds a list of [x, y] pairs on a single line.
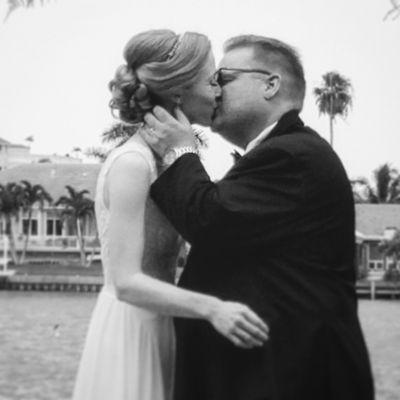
{"points": [[172, 53]]}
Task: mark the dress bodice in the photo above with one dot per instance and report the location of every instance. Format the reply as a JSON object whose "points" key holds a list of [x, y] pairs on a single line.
{"points": [[161, 242]]}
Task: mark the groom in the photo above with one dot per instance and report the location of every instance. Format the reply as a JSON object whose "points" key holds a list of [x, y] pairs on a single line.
{"points": [[276, 233]]}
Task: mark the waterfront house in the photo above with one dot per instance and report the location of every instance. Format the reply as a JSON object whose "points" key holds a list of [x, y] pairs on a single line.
{"points": [[50, 236], [375, 222], [12, 154]]}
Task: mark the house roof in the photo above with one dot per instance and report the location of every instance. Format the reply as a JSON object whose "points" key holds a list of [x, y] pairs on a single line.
{"points": [[373, 219], [4, 142], [54, 177]]}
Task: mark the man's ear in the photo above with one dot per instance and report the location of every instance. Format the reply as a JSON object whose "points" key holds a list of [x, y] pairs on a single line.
{"points": [[272, 86]]}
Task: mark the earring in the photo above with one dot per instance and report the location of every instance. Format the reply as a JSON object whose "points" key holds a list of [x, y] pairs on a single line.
{"points": [[178, 101]]}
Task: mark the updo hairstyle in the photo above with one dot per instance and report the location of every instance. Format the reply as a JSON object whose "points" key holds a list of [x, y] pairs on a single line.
{"points": [[156, 62]]}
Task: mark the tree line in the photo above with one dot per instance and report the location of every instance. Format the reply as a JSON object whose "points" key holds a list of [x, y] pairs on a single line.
{"points": [[24, 196], [383, 189]]}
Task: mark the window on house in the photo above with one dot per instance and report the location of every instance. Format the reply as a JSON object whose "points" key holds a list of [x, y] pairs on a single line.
{"points": [[371, 265], [2, 226], [375, 265], [34, 227], [374, 252], [7, 228], [53, 227]]}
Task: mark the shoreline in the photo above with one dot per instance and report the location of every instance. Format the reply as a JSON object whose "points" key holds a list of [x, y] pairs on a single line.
{"points": [[94, 283], [52, 283]]}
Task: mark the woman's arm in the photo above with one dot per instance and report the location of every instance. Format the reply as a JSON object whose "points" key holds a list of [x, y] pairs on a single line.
{"points": [[127, 187]]}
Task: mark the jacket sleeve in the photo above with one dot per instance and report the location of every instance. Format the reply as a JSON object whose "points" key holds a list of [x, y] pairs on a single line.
{"points": [[259, 198]]}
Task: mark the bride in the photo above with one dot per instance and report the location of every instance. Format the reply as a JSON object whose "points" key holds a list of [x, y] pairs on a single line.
{"points": [[129, 349]]}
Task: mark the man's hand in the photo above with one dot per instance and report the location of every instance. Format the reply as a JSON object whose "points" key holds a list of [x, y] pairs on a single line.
{"points": [[163, 132]]}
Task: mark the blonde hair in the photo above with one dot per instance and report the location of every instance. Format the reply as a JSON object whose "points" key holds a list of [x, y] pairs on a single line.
{"points": [[156, 62]]}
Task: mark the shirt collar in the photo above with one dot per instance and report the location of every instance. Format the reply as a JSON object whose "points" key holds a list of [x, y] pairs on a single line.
{"points": [[260, 137]]}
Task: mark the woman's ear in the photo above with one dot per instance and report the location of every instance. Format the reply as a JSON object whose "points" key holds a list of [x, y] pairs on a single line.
{"points": [[272, 86]]}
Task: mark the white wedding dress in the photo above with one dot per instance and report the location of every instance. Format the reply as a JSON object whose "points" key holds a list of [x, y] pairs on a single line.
{"points": [[129, 351]]}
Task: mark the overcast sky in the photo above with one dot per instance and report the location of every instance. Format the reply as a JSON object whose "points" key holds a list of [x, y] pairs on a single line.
{"points": [[56, 61]]}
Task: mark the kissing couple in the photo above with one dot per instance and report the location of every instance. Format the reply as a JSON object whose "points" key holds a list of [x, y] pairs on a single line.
{"points": [[266, 306]]}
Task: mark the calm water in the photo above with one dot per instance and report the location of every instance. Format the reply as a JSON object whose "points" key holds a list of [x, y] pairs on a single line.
{"points": [[42, 335]]}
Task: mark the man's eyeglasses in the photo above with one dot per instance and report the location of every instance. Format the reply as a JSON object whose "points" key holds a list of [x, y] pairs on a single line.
{"points": [[222, 75]]}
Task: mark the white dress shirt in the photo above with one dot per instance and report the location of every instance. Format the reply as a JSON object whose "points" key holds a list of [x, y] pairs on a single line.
{"points": [[260, 137]]}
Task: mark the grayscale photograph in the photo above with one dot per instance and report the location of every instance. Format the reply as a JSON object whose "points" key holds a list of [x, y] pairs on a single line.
{"points": [[199, 200]]}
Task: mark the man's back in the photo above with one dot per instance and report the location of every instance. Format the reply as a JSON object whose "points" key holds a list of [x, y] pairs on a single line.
{"points": [[280, 238], [293, 207]]}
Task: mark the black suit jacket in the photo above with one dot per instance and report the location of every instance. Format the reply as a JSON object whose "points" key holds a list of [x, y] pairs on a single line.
{"points": [[276, 233]]}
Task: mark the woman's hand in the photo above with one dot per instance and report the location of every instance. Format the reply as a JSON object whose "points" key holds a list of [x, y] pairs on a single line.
{"points": [[163, 132], [238, 323]]}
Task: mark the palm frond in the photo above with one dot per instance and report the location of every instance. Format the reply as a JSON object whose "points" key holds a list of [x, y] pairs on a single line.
{"points": [[394, 12], [34, 194], [119, 133], [74, 194], [63, 201], [394, 190], [76, 205], [99, 153], [11, 198], [15, 4], [385, 187]]}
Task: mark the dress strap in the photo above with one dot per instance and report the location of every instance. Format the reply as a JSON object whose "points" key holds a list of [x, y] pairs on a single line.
{"points": [[134, 145]]}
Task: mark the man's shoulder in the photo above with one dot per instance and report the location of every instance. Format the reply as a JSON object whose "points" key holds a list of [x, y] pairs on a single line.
{"points": [[302, 145], [299, 140], [290, 144]]}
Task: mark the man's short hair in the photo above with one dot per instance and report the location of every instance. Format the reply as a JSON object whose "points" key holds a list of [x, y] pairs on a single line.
{"points": [[276, 52]]}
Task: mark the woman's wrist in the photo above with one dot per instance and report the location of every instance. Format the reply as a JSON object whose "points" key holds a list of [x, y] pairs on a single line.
{"points": [[209, 307]]}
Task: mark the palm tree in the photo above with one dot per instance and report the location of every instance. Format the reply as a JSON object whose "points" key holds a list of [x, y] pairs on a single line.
{"points": [[385, 189], [31, 194], [77, 209], [11, 200], [119, 133], [334, 97], [98, 153]]}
